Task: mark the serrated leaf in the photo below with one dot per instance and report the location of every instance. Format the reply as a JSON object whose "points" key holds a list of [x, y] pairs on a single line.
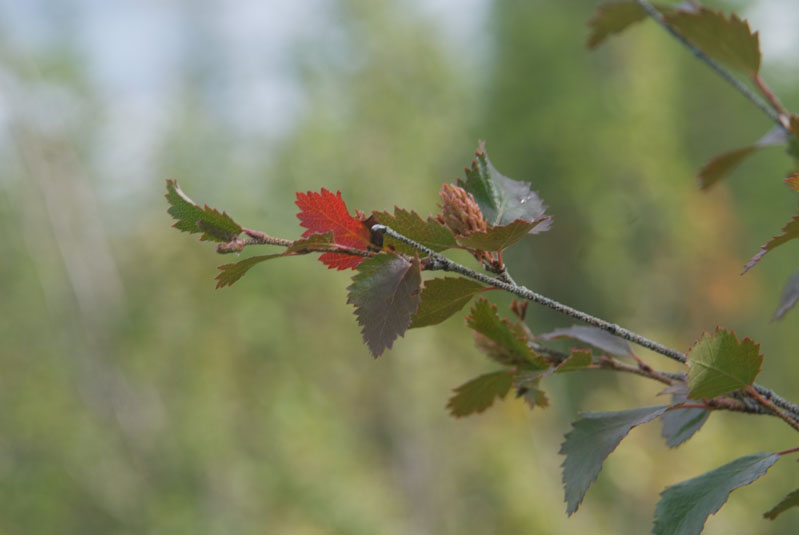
{"points": [[385, 292], [314, 241], [428, 232], [680, 424], [593, 336], [790, 500], [789, 297], [789, 232], [479, 393], [230, 273], [578, 359], [441, 298], [683, 508], [718, 363], [192, 218], [325, 212], [535, 397], [723, 164], [509, 338], [501, 237], [728, 40], [612, 17], [594, 437], [501, 199]]}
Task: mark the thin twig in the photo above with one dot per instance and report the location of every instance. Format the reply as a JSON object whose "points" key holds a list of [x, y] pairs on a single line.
{"points": [[710, 62], [435, 261], [779, 412]]}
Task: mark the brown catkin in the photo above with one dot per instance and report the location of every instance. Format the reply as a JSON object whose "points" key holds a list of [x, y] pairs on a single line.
{"points": [[459, 211]]}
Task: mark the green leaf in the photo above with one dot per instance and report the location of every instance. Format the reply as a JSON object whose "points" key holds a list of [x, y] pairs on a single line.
{"points": [[233, 272], [501, 199], [578, 359], [612, 17], [479, 393], [729, 41], [441, 298], [499, 238], [212, 224], [793, 140], [723, 164], [534, 397], [408, 223], [680, 424], [683, 508], [385, 292], [593, 336], [789, 297], [789, 232], [594, 437], [314, 241], [790, 500], [719, 363], [508, 340]]}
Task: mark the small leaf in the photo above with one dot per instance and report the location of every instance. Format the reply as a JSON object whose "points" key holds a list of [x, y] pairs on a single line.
{"points": [[790, 500], [578, 360], [790, 295], [727, 40], [594, 437], [441, 298], [534, 396], [723, 164], [793, 181], [789, 232], [385, 292], [593, 336], [680, 424], [683, 508], [479, 393], [324, 212], [314, 241], [509, 338], [612, 17], [499, 238], [191, 218], [233, 272], [501, 199], [719, 363], [430, 233]]}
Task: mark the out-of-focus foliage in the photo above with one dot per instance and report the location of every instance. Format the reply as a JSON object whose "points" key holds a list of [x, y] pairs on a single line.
{"points": [[137, 398]]}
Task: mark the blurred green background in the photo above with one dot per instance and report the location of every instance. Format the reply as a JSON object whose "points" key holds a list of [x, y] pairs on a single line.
{"points": [[138, 399]]}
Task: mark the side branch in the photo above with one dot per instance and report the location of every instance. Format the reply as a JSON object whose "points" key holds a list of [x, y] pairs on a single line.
{"points": [[436, 261], [774, 115]]}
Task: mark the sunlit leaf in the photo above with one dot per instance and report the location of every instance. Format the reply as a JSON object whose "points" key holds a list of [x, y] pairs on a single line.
{"points": [[501, 237], [509, 338], [441, 298], [790, 500], [428, 232], [789, 297], [719, 363], [192, 218], [325, 212], [789, 232], [728, 40], [593, 336], [479, 393], [594, 437], [683, 508], [385, 292], [501, 199]]}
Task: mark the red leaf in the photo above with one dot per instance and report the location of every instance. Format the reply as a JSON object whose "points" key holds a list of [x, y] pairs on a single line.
{"points": [[793, 181], [324, 212], [789, 232]]}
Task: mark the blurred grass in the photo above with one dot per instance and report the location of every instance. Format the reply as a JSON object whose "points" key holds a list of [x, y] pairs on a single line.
{"points": [[137, 399]]}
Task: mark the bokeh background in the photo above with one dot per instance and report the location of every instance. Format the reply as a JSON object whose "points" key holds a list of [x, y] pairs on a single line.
{"points": [[136, 398]]}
